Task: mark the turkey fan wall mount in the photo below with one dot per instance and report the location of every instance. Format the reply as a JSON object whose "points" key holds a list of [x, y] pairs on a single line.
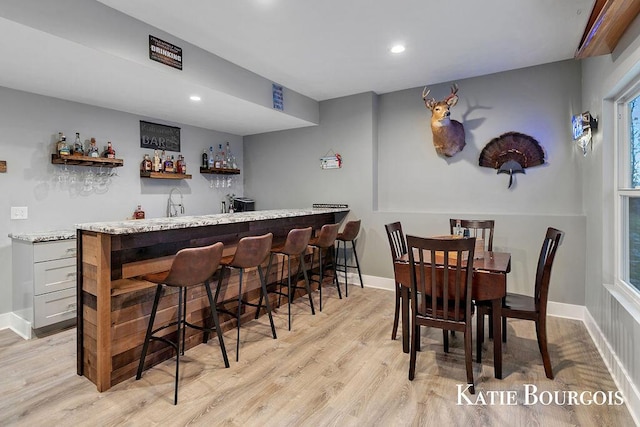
{"points": [[512, 153]]}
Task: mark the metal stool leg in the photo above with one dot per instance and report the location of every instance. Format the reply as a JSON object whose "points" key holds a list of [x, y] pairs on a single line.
{"points": [[238, 316], [306, 282], [355, 255], [264, 289], [216, 322], [147, 337]]}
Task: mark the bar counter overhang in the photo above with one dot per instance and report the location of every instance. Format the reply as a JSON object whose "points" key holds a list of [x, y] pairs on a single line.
{"points": [[114, 305]]}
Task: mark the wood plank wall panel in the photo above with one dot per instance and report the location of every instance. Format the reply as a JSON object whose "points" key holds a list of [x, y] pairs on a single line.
{"points": [[116, 306]]}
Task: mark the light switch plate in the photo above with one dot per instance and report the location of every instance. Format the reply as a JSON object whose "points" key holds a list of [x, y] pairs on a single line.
{"points": [[19, 212]]}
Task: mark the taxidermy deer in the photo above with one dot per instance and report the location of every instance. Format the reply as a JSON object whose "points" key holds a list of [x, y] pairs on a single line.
{"points": [[448, 135]]}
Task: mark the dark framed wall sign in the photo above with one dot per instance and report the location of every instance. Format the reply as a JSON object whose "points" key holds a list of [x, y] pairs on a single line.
{"points": [[165, 52], [159, 137]]}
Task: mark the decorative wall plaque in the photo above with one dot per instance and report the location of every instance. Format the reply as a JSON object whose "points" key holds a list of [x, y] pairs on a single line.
{"points": [[159, 137]]}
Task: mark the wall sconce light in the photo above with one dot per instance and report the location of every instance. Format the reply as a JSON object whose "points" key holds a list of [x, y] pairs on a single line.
{"points": [[583, 126]]}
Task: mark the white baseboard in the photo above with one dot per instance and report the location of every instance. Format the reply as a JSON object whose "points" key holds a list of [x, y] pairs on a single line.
{"points": [[616, 369], [569, 311], [16, 324]]}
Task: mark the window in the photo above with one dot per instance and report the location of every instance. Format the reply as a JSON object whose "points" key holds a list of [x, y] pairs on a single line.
{"points": [[628, 190]]}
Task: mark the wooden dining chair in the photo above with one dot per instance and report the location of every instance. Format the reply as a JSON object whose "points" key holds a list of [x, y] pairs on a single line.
{"points": [[480, 229], [441, 292], [526, 307], [398, 246]]}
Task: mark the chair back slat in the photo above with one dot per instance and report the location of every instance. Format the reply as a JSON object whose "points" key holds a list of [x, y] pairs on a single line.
{"points": [[477, 228], [397, 242], [442, 276], [545, 263]]}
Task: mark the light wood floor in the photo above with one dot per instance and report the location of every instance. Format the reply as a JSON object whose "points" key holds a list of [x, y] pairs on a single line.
{"points": [[339, 368]]}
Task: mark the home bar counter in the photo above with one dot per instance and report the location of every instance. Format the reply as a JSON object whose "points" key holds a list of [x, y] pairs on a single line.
{"points": [[114, 306]]}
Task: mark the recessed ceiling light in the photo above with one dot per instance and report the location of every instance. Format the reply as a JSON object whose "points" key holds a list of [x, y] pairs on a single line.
{"points": [[194, 98], [397, 48]]}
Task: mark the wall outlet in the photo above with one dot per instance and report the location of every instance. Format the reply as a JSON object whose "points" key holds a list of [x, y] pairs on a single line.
{"points": [[19, 212]]}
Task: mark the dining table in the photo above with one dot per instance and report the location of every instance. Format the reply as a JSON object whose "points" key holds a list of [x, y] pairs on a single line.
{"points": [[489, 283]]}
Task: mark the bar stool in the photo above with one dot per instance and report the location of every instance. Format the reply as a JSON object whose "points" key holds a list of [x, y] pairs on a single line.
{"points": [[250, 253], [349, 234], [325, 241], [295, 245], [190, 267]]}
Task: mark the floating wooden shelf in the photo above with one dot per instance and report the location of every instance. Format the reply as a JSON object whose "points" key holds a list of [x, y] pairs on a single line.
{"points": [[220, 171], [161, 175], [76, 160]]}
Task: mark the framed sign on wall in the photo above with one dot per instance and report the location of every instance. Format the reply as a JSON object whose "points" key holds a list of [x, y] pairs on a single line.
{"points": [[159, 137]]}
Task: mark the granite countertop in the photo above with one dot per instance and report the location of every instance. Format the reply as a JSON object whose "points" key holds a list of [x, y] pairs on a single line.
{"points": [[173, 223], [44, 236]]}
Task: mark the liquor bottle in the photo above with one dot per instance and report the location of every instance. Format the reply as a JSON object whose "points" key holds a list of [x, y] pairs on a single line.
{"points": [[93, 149], [157, 164], [182, 165], [223, 158], [77, 146], [110, 153], [178, 164], [218, 160], [146, 166], [457, 231], [63, 148], [163, 159], [138, 213], [168, 165], [205, 159], [231, 161], [211, 160]]}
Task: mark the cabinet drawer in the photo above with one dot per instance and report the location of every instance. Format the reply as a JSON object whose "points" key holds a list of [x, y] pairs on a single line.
{"points": [[54, 275], [45, 251], [54, 307]]}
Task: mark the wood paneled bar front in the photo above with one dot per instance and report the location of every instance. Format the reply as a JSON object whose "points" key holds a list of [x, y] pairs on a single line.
{"points": [[114, 305]]}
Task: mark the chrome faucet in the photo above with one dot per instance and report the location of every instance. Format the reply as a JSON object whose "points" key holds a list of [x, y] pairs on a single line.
{"points": [[175, 209]]}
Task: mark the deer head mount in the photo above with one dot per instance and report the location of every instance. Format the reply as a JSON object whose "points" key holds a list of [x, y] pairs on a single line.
{"points": [[448, 135]]}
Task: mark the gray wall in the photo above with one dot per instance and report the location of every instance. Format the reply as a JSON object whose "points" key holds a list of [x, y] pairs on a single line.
{"points": [[391, 171], [29, 125]]}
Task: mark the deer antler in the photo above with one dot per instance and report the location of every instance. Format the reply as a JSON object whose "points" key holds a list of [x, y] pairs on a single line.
{"points": [[429, 103], [454, 91]]}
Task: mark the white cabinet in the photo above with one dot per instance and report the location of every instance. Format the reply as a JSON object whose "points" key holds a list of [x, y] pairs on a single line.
{"points": [[44, 281]]}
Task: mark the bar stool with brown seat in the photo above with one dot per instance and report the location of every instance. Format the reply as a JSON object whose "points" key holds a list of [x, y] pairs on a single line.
{"points": [[190, 267], [325, 241], [348, 234], [250, 253], [295, 245]]}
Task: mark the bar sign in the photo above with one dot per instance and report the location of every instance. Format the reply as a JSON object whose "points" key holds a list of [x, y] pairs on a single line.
{"points": [[165, 52]]}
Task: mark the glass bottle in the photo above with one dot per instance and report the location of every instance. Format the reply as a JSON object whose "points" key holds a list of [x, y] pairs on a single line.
{"points": [[183, 165], [223, 158], [168, 165], [93, 149], [211, 160], [63, 148], [228, 153], [457, 231], [110, 153], [218, 161], [138, 213], [157, 164], [205, 159], [77, 146], [145, 166]]}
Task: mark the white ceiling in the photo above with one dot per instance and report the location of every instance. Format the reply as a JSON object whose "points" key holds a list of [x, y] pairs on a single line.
{"points": [[320, 48]]}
